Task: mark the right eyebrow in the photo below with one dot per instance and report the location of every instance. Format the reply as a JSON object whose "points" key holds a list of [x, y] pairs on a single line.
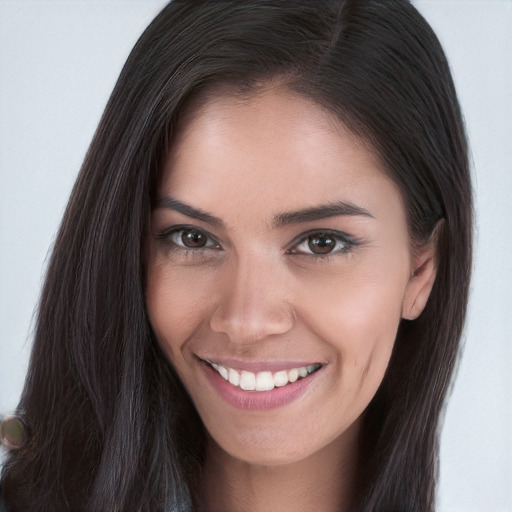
{"points": [[190, 211]]}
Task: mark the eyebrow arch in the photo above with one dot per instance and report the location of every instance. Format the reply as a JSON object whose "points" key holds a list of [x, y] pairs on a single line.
{"points": [[320, 212], [190, 211]]}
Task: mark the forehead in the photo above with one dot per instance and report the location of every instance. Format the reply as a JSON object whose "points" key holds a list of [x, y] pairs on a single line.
{"points": [[275, 148]]}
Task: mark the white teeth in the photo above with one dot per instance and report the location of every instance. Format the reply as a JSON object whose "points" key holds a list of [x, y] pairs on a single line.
{"points": [[247, 381], [293, 374], [280, 379], [234, 377], [223, 371], [263, 381]]}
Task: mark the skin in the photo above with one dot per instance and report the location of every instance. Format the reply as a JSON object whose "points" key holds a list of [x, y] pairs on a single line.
{"points": [[258, 292]]}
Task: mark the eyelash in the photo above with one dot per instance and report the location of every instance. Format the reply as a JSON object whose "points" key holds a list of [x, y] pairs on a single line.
{"points": [[347, 243], [166, 237]]}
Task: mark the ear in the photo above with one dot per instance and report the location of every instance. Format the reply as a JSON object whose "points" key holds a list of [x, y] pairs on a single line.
{"points": [[422, 277]]}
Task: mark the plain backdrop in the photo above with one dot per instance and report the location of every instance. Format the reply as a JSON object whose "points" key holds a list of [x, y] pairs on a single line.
{"points": [[59, 61]]}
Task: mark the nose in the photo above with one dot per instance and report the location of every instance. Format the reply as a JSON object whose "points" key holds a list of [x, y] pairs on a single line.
{"points": [[253, 302]]}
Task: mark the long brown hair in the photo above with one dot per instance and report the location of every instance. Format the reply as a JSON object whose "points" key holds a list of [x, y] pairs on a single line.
{"points": [[111, 427]]}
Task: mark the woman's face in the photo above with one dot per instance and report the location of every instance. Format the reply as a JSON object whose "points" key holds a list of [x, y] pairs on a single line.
{"points": [[279, 260]]}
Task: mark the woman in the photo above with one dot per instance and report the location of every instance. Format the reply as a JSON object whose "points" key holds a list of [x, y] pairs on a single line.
{"points": [[257, 292]]}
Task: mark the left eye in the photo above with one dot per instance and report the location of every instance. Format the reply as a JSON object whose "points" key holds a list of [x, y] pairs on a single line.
{"points": [[323, 243]]}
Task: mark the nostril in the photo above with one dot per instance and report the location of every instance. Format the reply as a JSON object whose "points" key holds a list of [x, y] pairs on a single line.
{"points": [[248, 325], [252, 304]]}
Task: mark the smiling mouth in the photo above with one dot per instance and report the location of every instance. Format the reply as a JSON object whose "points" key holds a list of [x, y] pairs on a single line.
{"points": [[264, 380]]}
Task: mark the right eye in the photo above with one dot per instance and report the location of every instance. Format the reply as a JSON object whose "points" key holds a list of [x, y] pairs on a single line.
{"points": [[188, 238]]}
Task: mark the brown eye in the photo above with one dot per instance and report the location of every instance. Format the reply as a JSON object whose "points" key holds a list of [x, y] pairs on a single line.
{"points": [[187, 239], [188, 242], [317, 244], [321, 243], [193, 239]]}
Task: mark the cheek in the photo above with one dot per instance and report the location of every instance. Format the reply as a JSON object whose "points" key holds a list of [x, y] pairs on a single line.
{"points": [[357, 316], [176, 303]]}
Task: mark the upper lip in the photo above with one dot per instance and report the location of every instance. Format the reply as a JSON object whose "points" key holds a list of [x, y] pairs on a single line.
{"points": [[258, 366]]}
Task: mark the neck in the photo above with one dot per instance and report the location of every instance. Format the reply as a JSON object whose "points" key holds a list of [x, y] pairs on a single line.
{"points": [[323, 481]]}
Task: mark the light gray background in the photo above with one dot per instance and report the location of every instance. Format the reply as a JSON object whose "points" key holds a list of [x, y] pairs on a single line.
{"points": [[58, 63]]}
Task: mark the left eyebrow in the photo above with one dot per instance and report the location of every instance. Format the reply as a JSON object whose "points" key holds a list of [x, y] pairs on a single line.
{"points": [[318, 213]]}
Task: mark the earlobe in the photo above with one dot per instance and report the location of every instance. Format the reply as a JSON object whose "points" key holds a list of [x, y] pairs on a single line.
{"points": [[422, 278]]}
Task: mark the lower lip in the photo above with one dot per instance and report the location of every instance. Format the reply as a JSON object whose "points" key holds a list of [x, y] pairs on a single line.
{"points": [[258, 400]]}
